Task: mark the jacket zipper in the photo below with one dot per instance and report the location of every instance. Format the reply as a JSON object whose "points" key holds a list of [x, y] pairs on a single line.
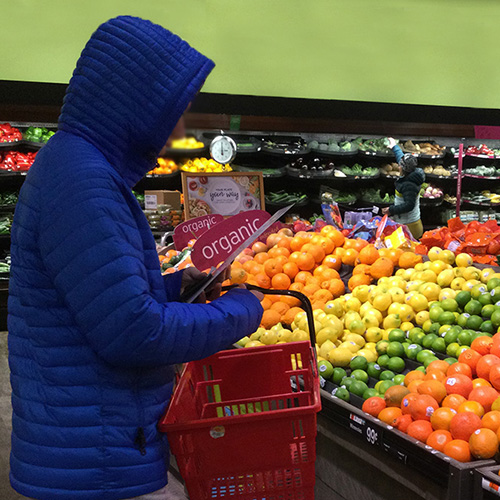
{"points": [[140, 436]]}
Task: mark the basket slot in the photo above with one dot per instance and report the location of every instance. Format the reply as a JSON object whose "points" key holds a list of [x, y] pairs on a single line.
{"points": [[252, 406]]}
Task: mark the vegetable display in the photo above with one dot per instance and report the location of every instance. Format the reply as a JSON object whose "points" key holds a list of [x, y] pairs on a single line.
{"points": [[483, 171], [373, 195], [423, 148], [38, 134], [8, 133], [441, 171], [314, 165], [333, 146], [285, 147], [204, 165], [187, 143], [373, 145], [164, 166], [5, 224], [391, 169], [8, 198], [358, 170], [482, 197], [430, 192], [278, 197], [15, 161]]}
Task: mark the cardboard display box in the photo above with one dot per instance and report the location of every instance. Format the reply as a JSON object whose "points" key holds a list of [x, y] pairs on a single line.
{"points": [[162, 197]]}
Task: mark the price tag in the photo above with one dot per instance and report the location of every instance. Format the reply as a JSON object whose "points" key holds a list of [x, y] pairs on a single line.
{"points": [[322, 381], [372, 435]]}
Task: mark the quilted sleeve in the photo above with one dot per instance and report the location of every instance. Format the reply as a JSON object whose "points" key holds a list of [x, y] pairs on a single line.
{"points": [[398, 153], [90, 249]]}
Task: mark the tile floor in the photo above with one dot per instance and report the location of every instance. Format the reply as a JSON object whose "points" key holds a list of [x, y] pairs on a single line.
{"points": [[176, 490]]}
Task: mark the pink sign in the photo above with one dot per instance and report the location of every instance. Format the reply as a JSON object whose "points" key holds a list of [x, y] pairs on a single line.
{"points": [[193, 229], [216, 245], [487, 132]]}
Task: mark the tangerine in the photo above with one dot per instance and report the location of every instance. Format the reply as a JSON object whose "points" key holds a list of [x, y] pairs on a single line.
{"points": [[433, 388], [262, 280], [482, 344], [458, 449], [495, 376], [350, 256], [459, 384], [381, 267], [336, 288], [368, 255], [361, 269], [403, 422], [390, 415], [337, 237], [483, 444], [270, 318], [480, 382], [281, 281], [459, 368], [485, 364], [471, 407], [316, 251], [435, 375], [491, 420], [407, 400], [413, 375], [462, 425], [261, 257], [453, 401], [302, 277], [441, 418], [291, 269], [471, 358], [423, 407], [373, 406], [408, 260], [272, 267], [358, 280], [439, 439], [333, 262], [420, 429], [485, 396], [305, 261], [440, 365], [290, 315]]}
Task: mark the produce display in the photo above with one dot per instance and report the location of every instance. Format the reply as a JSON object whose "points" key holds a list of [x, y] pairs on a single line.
{"points": [[9, 133], [15, 161], [5, 224], [37, 134], [481, 150], [291, 147], [483, 171], [481, 197], [332, 146], [312, 165], [450, 199], [8, 198], [187, 143], [357, 170], [440, 170], [391, 169], [284, 197], [165, 167], [430, 192], [423, 148], [373, 145], [204, 165], [373, 195]]}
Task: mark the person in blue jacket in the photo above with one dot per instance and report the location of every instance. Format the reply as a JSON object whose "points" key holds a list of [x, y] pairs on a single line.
{"points": [[94, 327], [406, 207]]}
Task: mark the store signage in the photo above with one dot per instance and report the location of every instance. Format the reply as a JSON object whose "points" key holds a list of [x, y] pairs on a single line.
{"points": [[226, 194], [193, 229], [216, 245]]}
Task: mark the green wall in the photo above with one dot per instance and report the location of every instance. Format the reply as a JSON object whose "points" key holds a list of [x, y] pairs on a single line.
{"points": [[442, 52]]}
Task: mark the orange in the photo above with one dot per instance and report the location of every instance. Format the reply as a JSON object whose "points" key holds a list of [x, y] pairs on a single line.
{"points": [[339, 252], [270, 318], [480, 382], [310, 290], [326, 273], [435, 375], [389, 415], [408, 260], [311, 280], [305, 261], [459, 368], [238, 275], [459, 384], [368, 255], [361, 269], [281, 259], [349, 258], [462, 425], [291, 269], [491, 420], [373, 406], [441, 418], [281, 281], [266, 303], [358, 280], [325, 243], [471, 358], [322, 296], [471, 407], [439, 439], [261, 257], [403, 422], [296, 287], [290, 301], [440, 365], [458, 450], [263, 280], [433, 388], [336, 288], [483, 444], [297, 243], [359, 244], [349, 243], [302, 277], [315, 250], [413, 375], [333, 262], [272, 267], [285, 243], [482, 344], [277, 251], [290, 315], [413, 386], [423, 407], [317, 304], [337, 237], [281, 308], [495, 376], [453, 401], [382, 267], [407, 400], [420, 429], [485, 364], [485, 396], [394, 254]]}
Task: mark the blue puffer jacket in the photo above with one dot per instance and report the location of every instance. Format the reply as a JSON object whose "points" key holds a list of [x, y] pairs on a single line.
{"points": [[93, 325]]}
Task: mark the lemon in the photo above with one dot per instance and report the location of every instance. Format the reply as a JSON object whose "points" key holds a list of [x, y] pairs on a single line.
{"points": [[331, 321], [361, 293], [375, 312], [407, 273], [334, 307], [406, 312], [368, 354], [257, 334], [244, 341], [457, 283], [397, 294], [400, 273], [414, 285], [430, 291], [434, 254], [371, 321], [299, 336], [385, 334], [471, 273], [486, 274], [365, 308], [276, 328], [447, 293], [437, 266], [284, 335], [392, 321], [407, 326], [356, 338], [419, 302], [422, 317], [350, 345], [357, 327], [469, 285], [445, 278], [254, 343], [373, 334], [269, 337], [352, 304], [429, 276], [396, 282], [339, 356], [382, 301], [463, 260], [325, 348], [419, 267]]}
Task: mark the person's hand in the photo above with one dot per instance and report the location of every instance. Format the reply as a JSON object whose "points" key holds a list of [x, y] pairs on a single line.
{"points": [[385, 211], [191, 276], [392, 142]]}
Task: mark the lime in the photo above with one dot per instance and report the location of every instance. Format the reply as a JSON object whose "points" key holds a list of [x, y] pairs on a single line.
{"points": [[418, 338], [485, 299], [383, 360], [427, 326], [358, 387], [384, 385], [451, 350], [346, 382], [369, 393], [461, 349], [478, 290], [495, 294], [325, 369], [464, 338], [451, 361], [420, 369], [395, 349], [474, 322], [435, 328], [450, 336], [414, 332], [338, 375], [462, 298], [374, 370], [473, 307], [360, 375], [462, 320], [488, 327], [435, 312], [397, 335], [477, 334], [382, 346], [399, 379], [413, 350], [387, 375], [343, 394], [446, 318], [493, 283], [450, 305], [487, 311], [396, 364], [429, 359], [358, 363], [495, 317], [429, 339], [424, 354], [439, 345]]}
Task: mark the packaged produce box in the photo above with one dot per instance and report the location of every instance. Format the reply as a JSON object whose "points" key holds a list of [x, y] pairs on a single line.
{"points": [[162, 197]]}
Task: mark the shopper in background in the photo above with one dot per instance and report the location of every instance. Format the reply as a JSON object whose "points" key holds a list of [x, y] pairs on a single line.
{"points": [[406, 208], [93, 325]]}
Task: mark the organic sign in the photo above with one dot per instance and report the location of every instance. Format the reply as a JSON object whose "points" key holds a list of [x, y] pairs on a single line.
{"points": [[216, 245], [193, 229], [226, 194]]}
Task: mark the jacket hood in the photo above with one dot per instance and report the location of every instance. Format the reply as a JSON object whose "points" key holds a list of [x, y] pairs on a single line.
{"points": [[131, 85], [417, 177]]}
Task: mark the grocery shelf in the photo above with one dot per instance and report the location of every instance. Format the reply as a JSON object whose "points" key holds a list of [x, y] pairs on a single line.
{"points": [[335, 154], [487, 483]]}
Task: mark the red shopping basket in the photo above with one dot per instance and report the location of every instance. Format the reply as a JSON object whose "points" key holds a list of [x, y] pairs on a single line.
{"points": [[242, 423]]}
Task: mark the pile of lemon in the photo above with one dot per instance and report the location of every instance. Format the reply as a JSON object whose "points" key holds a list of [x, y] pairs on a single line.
{"points": [[187, 143], [204, 165]]}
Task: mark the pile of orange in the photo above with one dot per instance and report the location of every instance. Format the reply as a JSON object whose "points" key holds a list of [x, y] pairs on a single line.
{"points": [[446, 407]]}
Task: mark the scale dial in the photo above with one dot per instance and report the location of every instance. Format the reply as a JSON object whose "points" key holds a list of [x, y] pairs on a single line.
{"points": [[223, 149]]}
